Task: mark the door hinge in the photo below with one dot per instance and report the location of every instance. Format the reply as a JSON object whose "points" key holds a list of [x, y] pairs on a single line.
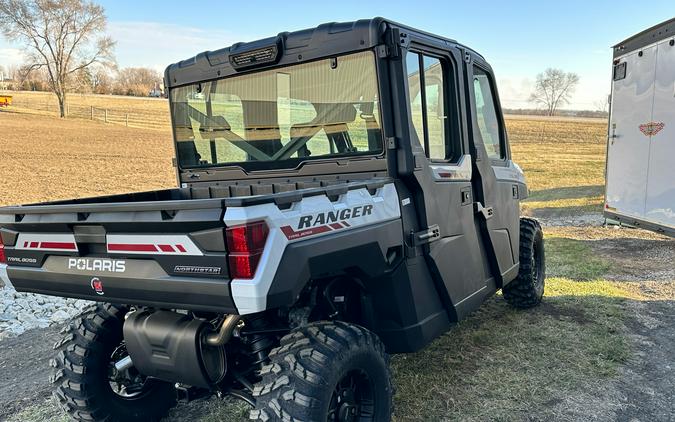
{"points": [[432, 234], [391, 143], [382, 51], [487, 212]]}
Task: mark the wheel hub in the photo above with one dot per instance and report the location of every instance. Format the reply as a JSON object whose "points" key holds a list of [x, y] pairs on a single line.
{"points": [[127, 383], [348, 408], [352, 399]]}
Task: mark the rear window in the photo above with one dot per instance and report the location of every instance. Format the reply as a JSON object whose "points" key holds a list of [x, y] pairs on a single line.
{"points": [[281, 117]]}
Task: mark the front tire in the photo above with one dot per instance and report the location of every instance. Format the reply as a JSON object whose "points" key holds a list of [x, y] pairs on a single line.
{"points": [[326, 371], [527, 290], [83, 367]]}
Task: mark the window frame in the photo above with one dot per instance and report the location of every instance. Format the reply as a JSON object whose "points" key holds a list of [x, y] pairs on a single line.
{"points": [[503, 148], [454, 147]]}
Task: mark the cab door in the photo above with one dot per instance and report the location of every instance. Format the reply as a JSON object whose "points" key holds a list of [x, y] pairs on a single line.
{"points": [[497, 182], [442, 177]]}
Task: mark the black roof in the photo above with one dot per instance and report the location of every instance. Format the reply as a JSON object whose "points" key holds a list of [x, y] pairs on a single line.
{"points": [[649, 36], [298, 46]]}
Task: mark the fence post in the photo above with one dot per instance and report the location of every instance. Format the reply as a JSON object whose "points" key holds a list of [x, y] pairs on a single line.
{"points": [[105, 119], [92, 112], [126, 119]]}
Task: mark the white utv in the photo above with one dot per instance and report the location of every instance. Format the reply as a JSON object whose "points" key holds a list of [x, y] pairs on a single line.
{"points": [[345, 192]]}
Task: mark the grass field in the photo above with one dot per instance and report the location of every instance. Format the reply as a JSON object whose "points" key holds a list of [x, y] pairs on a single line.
{"points": [[499, 364]]}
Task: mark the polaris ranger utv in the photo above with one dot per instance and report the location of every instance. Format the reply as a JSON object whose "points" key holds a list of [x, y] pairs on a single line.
{"points": [[345, 192]]}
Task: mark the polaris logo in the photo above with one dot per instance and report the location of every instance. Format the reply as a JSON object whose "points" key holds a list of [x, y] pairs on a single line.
{"points": [[307, 221], [97, 264]]}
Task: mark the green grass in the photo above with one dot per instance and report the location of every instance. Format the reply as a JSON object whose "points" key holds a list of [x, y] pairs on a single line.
{"points": [[505, 364], [573, 259]]}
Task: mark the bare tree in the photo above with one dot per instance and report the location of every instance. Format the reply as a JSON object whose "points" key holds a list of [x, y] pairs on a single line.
{"points": [[62, 36], [102, 81], [602, 105], [136, 81], [553, 89]]}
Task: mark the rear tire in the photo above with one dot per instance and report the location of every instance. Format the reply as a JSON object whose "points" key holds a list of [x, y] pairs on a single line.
{"points": [[326, 371], [82, 372], [527, 290]]}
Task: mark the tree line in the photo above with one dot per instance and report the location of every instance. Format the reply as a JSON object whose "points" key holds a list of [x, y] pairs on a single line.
{"points": [[135, 81]]}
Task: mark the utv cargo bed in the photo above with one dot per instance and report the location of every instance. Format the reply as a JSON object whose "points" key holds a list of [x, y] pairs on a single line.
{"points": [[162, 248]]}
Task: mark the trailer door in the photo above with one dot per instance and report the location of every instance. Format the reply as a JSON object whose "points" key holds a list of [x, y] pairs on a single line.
{"points": [[660, 208], [628, 148]]}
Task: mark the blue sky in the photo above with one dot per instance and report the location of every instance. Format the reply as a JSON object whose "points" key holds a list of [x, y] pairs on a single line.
{"points": [[519, 38]]}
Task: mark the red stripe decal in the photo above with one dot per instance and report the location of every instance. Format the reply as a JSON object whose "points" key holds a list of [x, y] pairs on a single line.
{"points": [[122, 247], [34, 245], [346, 224], [292, 234], [181, 248], [336, 226], [58, 245], [25, 244], [166, 248]]}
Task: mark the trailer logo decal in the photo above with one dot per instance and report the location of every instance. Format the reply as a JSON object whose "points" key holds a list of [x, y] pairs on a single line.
{"points": [[97, 285], [652, 128]]}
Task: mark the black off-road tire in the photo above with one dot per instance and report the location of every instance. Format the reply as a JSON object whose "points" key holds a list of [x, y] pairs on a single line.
{"points": [[307, 372], [81, 372], [527, 289]]}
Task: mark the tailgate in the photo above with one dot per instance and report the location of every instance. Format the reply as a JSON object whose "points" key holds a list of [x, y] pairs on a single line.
{"points": [[168, 254]]}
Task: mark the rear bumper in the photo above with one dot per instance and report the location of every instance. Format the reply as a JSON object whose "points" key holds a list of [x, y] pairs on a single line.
{"points": [[149, 289], [640, 223]]}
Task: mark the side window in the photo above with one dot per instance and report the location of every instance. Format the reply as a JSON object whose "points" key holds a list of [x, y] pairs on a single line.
{"points": [[415, 100], [486, 114], [429, 111], [435, 107]]}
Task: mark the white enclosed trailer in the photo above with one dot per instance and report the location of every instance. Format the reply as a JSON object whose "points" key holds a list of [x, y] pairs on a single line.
{"points": [[640, 174]]}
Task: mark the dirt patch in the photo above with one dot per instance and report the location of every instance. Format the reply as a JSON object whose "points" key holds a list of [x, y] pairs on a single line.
{"points": [[25, 370], [647, 383], [638, 259]]}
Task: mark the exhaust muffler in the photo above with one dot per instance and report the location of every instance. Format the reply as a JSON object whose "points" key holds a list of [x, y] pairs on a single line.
{"points": [[177, 348]]}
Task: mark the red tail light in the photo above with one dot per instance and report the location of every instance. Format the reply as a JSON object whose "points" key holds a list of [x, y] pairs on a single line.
{"points": [[3, 257], [245, 244]]}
